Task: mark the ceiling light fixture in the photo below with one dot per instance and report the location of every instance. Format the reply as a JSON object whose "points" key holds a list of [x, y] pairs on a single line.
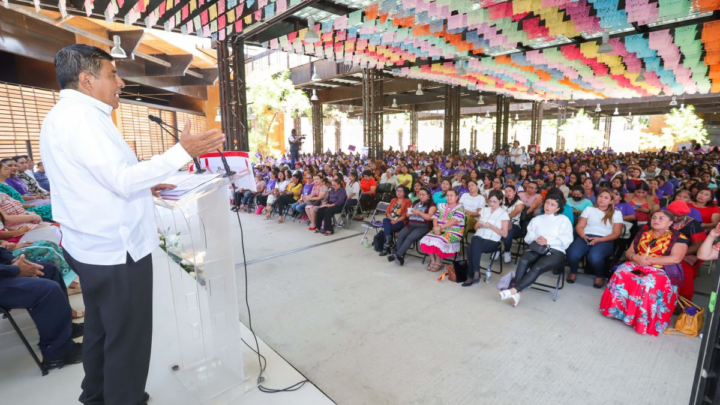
{"points": [[419, 91], [673, 102], [641, 77], [461, 70], [572, 99], [315, 77], [480, 100], [117, 52], [598, 109], [516, 117], [394, 104], [616, 112], [314, 96], [487, 114], [311, 36], [682, 106], [530, 89], [605, 47], [138, 98]]}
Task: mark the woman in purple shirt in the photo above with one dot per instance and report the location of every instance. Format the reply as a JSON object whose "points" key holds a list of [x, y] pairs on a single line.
{"points": [[332, 205]]}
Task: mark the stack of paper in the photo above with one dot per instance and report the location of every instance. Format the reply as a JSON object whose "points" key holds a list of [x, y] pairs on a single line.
{"points": [[185, 183]]}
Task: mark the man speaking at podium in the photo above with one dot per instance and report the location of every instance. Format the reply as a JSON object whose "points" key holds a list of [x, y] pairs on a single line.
{"points": [[102, 199]]}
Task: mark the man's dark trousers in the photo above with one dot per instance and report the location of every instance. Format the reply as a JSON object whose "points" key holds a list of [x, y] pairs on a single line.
{"points": [[294, 157], [118, 330]]}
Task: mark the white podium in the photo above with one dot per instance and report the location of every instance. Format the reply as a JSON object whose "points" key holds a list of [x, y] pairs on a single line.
{"points": [[196, 237]]}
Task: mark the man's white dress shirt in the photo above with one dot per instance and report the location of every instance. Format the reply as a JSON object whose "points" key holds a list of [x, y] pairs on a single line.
{"points": [[101, 193]]}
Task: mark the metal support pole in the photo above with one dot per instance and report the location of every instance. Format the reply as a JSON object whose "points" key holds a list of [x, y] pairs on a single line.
{"points": [[447, 136], [338, 135], [562, 118], [451, 142], [506, 122], [497, 140], [317, 126], [596, 121], [608, 129], [233, 99], [373, 104], [533, 123], [414, 127], [538, 127]]}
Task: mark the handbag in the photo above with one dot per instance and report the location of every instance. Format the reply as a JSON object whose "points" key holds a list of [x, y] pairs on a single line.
{"points": [[539, 249], [379, 242], [455, 272], [690, 321]]}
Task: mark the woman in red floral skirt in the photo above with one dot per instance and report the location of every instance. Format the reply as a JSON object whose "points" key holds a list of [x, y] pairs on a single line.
{"points": [[643, 291]]}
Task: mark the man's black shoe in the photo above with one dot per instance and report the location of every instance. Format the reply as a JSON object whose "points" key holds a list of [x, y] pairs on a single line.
{"points": [[145, 399], [77, 330], [73, 356]]}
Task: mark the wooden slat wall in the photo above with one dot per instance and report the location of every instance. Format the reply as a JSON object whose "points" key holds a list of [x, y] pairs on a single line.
{"points": [[23, 109]]}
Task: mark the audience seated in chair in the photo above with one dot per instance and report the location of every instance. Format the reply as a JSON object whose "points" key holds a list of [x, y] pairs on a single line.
{"points": [[286, 197], [316, 199], [514, 207], [331, 206], [243, 197], [45, 211], [419, 223], [396, 217], [643, 291], [443, 242], [39, 287], [693, 231], [492, 225], [597, 229], [552, 232]]}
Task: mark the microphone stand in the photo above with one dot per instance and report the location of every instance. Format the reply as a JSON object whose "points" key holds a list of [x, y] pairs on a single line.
{"points": [[198, 168]]}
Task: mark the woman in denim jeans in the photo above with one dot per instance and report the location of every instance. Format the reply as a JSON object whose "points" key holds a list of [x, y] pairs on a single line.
{"points": [[514, 207]]}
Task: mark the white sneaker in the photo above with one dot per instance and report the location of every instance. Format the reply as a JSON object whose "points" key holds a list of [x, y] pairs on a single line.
{"points": [[507, 257], [515, 299], [505, 294]]}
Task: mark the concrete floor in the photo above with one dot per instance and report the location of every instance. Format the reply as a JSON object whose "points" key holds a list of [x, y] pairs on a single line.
{"points": [[366, 331], [370, 332]]}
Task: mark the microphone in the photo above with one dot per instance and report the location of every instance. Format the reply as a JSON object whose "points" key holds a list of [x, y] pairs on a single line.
{"points": [[226, 166], [198, 168]]}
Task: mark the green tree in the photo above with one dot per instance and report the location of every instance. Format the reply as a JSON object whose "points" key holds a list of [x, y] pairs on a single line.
{"points": [[269, 95], [580, 133], [680, 126]]}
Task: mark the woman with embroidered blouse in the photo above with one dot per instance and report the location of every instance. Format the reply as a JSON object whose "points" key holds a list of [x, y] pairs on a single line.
{"points": [[443, 241]]}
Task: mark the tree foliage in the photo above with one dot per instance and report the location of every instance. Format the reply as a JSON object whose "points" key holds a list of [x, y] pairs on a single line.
{"points": [[680, 126], [580, 133], [269, 95]]}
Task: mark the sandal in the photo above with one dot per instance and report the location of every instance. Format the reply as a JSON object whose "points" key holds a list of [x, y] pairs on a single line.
{"points": [[328, 233], [435, 267]]}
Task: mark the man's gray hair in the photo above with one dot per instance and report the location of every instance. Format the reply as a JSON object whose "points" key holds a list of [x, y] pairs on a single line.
{"points": [[75, 59]]}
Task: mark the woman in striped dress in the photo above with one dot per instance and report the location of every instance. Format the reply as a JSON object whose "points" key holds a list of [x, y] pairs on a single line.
{"points": [[444, 240]]}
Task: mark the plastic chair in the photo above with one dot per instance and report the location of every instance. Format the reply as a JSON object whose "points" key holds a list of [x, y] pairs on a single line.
{"points": [[373, 223], [556, 288], [6, 315]]}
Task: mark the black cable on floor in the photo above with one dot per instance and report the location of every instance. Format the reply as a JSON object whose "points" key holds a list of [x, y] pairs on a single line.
{"points": [[260, 378]]}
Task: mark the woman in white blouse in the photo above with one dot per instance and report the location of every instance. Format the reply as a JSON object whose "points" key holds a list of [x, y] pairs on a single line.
{"points": [[472, 202], [597, 229], [513, 206], [492, 225], [551, 230]]}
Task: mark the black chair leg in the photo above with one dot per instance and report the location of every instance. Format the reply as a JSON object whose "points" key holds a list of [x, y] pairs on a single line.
{"points": [[6, 315]]}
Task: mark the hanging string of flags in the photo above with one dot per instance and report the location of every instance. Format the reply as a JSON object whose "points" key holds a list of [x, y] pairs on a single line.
{"points": [[394, 33]]}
